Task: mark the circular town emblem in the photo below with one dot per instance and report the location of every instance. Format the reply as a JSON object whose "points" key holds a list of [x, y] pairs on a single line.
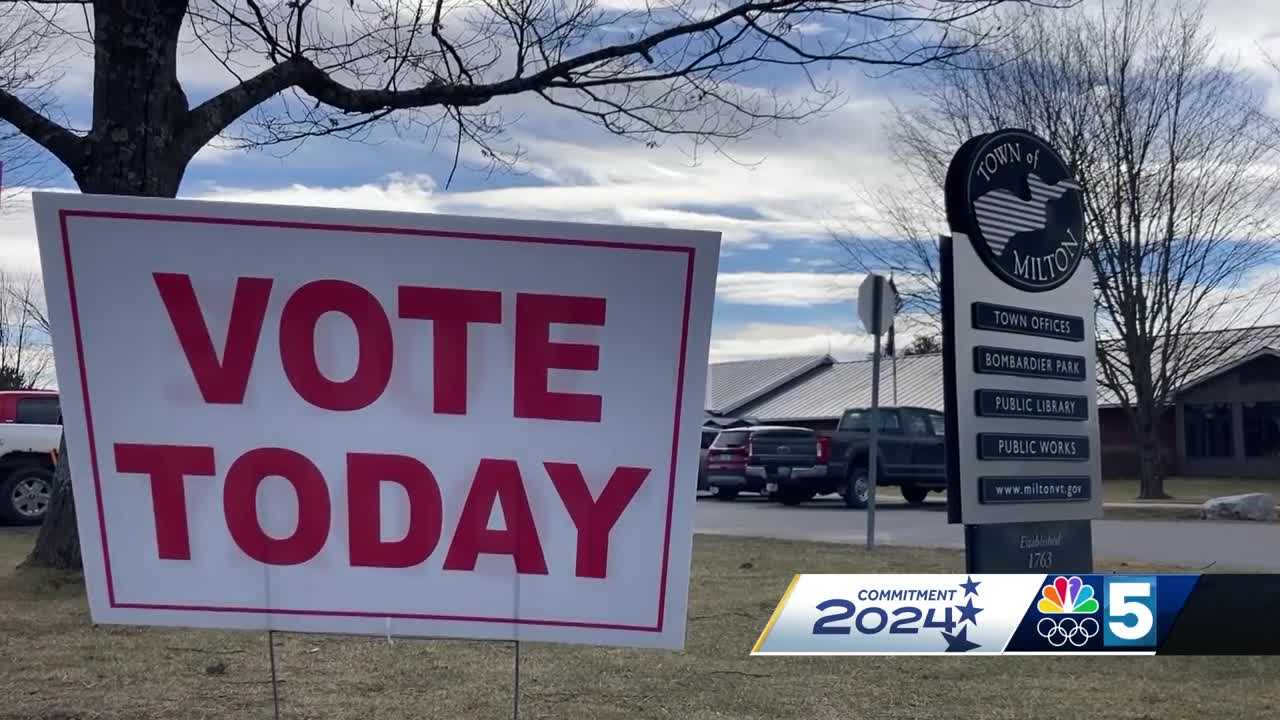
{"points": [[1016, 200]]}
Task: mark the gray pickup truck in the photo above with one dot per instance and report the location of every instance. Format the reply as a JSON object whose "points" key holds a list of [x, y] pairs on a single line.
{"points": [[912, 456]]}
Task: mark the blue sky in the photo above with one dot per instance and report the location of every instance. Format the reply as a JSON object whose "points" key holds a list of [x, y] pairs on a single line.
{"points": [[781, 288]]}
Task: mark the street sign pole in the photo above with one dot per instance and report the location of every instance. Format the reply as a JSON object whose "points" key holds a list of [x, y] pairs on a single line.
{"points": [[877, 303], [894, 370], [873, 451]]}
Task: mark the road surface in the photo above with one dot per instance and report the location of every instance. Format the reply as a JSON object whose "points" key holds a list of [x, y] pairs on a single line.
{"points": [[1188, 543]]}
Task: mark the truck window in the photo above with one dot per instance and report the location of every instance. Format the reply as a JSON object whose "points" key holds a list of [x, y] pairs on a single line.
{"points": [[38, 411], [860, 420], [939, 423], [731, 439], [708, 437], [915, 422]]}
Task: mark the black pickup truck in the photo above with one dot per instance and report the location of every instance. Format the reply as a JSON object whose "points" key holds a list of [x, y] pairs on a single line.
{"points": [[912, 456]]}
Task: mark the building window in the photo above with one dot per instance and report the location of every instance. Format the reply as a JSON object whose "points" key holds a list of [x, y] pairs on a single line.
{"points": [[1208, 430], [861, 420], [1262, 429], [939, 423]]}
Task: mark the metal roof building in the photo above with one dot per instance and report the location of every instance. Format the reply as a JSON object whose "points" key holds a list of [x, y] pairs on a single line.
{"points": [[818, 388], [1220, 351], [828, 391], [1222, 419], [735, 384]]}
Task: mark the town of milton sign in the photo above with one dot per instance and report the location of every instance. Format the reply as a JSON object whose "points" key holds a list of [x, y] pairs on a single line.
{"points": [[1018, 337], [1019, 205]]}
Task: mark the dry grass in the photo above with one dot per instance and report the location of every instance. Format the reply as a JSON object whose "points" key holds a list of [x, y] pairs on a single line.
{"points": [[1190, 512], [54, 664], [1194, 490]]}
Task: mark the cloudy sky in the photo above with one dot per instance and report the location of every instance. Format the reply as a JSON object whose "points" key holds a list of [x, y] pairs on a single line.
{"points": [[781, 288]]}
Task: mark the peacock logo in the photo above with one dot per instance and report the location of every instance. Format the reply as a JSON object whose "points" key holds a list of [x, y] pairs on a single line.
{"points": [[1067, 596]]}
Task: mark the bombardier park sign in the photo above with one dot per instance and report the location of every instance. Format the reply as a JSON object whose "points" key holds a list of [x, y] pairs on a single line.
{"points": [[324, 420], [1018, 326]]}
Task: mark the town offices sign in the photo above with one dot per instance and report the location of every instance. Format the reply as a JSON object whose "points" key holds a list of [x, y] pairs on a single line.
{"points": [[1021, 401]]}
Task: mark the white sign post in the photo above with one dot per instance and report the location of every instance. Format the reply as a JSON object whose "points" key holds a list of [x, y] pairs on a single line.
{"points": [[1018, 334], [322, 420], [877, 302]]}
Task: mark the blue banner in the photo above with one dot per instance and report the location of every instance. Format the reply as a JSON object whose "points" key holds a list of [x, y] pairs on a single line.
{"points": [[1024, 614]]}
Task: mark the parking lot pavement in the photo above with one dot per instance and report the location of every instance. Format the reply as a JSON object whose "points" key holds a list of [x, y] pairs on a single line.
{"points": [[1191, 544]]}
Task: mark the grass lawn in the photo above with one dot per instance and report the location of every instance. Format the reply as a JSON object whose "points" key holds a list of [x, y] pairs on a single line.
{"points": [[56, 665], [1193, 490], [1182, 512]]}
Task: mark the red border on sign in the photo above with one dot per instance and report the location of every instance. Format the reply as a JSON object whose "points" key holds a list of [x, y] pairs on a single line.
{"points": [[689, 252]]}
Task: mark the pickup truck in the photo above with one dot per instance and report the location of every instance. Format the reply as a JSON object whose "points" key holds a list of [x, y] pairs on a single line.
{"points": [[30, 430], [912, 455]]}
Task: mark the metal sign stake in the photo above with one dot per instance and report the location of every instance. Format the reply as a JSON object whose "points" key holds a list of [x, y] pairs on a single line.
{"points": [[873, 451], [275, 683]]}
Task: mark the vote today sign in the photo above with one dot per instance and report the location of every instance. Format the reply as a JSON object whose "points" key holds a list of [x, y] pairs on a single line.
{"points": [[1018, 324], [358, 422]]}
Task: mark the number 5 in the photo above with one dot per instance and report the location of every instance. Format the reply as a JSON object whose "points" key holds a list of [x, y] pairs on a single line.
{"points": [[1119, 605]]}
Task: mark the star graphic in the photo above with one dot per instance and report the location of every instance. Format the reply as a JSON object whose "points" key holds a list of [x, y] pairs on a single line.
{"points": [[959, 642], [970, 587], [968, 613]]}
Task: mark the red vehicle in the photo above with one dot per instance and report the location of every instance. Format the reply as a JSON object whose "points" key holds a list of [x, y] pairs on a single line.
{"points": [[30, 431], [759, 458]]}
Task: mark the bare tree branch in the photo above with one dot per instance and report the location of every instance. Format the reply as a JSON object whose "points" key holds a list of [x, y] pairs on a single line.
{"points": [[28, 68], [1173, 149], [441, 71], [26, 356]]}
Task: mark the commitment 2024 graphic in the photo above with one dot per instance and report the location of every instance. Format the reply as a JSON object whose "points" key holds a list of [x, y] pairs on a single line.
{"points": [[1002, 614]]}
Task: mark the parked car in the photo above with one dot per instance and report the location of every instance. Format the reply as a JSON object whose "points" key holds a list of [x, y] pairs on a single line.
{"points": [[708, 437], [912, 454], [754, 459], [30, 430]]}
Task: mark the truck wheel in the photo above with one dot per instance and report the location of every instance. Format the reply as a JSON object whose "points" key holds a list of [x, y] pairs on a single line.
{"points": [[794, 497], [858, 492], [724, 493], [25, 493], [914, 495]]}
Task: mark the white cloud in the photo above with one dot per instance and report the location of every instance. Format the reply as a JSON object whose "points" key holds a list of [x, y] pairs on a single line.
{"points": [[761, 340], [787, 289], [18, 250], [399, 192], [216, 154], [1245, 29]]}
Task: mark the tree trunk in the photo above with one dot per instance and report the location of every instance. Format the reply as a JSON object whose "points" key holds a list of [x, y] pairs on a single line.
{"points": [[58, 544], [138, 110], [1150, 469], [138, 104]]}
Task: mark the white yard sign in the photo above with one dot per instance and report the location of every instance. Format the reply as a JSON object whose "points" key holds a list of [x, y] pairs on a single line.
{"points": [[342, 421]]}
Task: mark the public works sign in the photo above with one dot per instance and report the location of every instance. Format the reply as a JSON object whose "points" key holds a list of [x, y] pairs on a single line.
{"points": [[339, 421]]}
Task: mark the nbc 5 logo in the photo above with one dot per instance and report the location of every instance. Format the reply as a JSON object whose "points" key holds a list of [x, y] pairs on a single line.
{"points": [[1130, 612]]}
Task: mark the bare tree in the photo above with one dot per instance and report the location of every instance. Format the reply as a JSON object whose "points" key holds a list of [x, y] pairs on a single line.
{"points": [[26, 357], [305, 68], [1173, 148], [898, 234], [299, 69], [29, 55], [923, 345]]}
